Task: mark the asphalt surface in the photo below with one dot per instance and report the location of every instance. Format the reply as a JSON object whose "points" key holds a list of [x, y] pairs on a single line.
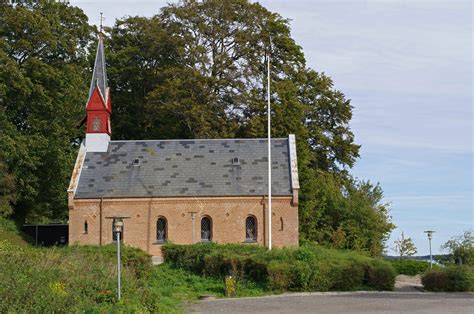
{"points": [[346, 302]]}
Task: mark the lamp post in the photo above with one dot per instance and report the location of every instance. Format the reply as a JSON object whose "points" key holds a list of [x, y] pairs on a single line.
{"points": [[117, 227], [430, 236]]}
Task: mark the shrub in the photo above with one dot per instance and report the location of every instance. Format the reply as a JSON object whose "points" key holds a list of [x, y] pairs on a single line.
{"points": [[410, 267], [280, 276], [347, 275], [460, 278], [305, 254], [380, 275], [307, 268], [321, 279], [9, 232], [7, 225], [454, 278], [138, 261], [435, 280], [188, 257]]}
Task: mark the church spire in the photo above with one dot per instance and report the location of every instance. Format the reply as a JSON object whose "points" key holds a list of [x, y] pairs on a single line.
{"points": [[99, 105], [99, 75]]}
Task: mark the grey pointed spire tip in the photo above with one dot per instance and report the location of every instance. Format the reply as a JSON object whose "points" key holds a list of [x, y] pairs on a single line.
{"points": [[99, 75]]}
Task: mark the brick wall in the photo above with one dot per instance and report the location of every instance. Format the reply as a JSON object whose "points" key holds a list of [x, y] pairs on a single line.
{"points": [[228, 220]]}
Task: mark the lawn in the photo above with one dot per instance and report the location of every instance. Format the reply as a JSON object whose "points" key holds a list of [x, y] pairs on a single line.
{"points": [[83, 278]]}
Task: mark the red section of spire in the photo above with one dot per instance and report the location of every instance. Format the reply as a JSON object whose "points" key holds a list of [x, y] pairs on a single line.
{"points": [[98, 114]]}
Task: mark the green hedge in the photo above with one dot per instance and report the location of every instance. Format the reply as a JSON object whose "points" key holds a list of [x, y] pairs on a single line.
{"points": [[308, 268], [410, 267], [454, 278]]}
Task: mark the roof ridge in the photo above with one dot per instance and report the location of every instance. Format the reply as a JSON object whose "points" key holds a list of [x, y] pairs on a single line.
{"points": [[201, 139]]}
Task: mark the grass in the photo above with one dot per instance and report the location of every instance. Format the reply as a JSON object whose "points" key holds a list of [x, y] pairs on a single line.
{"points": [[10, 233], [83, 279], [175, 286]]}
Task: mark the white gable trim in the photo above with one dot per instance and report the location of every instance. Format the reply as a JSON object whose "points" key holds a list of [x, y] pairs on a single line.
{"points": [[76, 172], [295, 183]]}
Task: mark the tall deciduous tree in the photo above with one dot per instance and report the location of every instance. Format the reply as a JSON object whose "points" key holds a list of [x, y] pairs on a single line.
{"points": [[42, 89], [198, 69]]}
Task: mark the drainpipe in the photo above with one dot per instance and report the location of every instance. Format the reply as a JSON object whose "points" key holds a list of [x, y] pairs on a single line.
{"points": [[100, 221], [148, 227], [193, 218]]}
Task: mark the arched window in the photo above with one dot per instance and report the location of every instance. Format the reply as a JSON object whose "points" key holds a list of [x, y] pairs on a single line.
{"points": [[251, 229], [206, 229], [86, 227], [161, 229]]}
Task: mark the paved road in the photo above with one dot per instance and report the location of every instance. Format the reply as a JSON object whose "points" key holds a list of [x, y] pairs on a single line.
{"points": [[355, 302]]}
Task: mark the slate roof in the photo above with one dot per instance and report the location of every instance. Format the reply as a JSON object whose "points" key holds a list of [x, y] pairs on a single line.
{"points": [[185, 168]]}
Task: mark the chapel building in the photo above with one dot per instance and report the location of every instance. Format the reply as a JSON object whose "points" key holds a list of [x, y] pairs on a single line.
{"points": [[182, 191]]}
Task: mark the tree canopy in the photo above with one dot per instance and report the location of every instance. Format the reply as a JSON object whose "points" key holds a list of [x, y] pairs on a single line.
{"points": [[461, 248], [43, 62], [404, 246], [197, 69]]}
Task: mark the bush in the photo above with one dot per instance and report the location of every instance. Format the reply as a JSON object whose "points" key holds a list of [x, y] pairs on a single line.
{"points": [[454, 278], [410, 267], [380, 275], [190, 257], [460, 278], [435, 280], [7, 225], [347, 275], [307, 268], [280, 276], [9, 231]]}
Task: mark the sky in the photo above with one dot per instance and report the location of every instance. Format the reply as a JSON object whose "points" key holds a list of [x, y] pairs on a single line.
{"points": [[407, 67]]}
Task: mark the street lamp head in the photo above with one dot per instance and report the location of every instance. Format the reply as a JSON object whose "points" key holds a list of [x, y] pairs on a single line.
{"points": [[430, 233], [118, 225], [117, 222]]}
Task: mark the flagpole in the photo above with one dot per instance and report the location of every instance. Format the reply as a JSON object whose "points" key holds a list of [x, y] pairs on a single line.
{"points": [[269, 130]]}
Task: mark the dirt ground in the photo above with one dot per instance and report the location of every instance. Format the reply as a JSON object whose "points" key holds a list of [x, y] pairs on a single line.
{"points": [[406, 283]]}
